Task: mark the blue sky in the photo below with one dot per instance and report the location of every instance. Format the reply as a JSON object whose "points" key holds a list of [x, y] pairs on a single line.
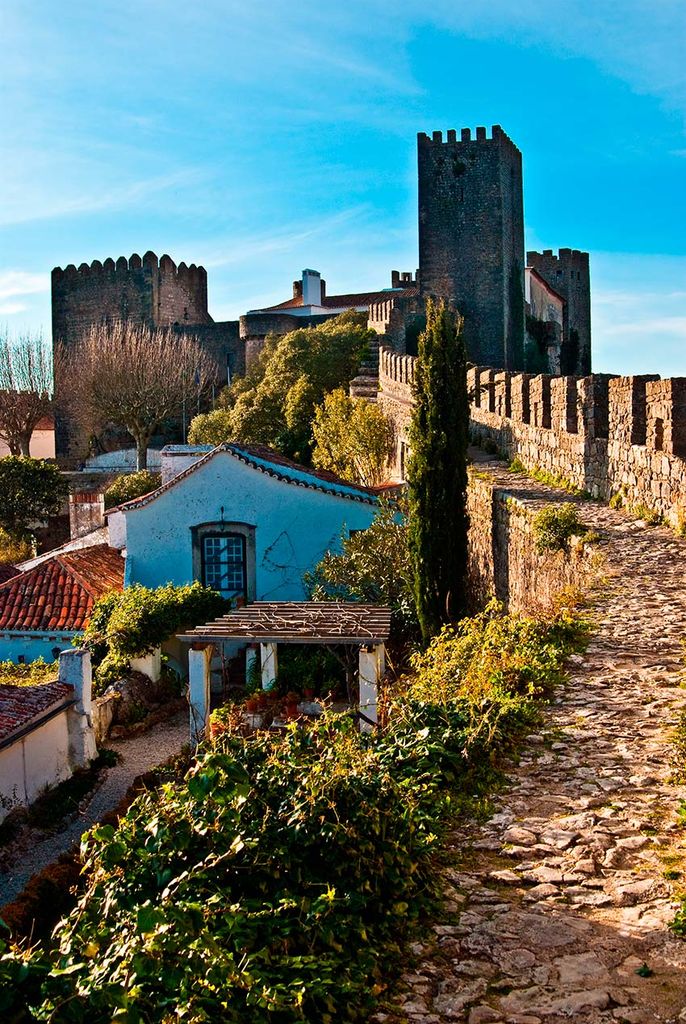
{"points": [[262, 138]]}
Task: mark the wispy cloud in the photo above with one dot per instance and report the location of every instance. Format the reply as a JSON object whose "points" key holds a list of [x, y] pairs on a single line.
{"points": [[20, 282], [23, 204], [289, 237]]}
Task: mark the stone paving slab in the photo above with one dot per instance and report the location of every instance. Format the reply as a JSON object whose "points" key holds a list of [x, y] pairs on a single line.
{"points": [[561, 897]]}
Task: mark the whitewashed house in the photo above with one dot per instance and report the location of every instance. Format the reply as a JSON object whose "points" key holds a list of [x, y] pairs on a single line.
{"points": [[240, 518]]}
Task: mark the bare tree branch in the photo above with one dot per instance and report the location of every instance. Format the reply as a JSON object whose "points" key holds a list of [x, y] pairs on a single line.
{"points": [[25, 388], [133, 377]]}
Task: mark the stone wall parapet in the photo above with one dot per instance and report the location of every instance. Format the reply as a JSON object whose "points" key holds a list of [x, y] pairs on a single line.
{"points": [[604, 434]]}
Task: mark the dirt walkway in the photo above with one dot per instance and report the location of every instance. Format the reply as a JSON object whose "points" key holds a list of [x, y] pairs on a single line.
{"points": [[557, 907], [138, 754]]}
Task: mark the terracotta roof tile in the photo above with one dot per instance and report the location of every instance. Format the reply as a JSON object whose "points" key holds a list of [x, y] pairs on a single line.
{"points": [[20, 705], [59, 594], [349, 301]]}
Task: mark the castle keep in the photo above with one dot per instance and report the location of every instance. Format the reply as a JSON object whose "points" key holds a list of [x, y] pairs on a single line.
{"points": [[471, 237], [149, 292]]}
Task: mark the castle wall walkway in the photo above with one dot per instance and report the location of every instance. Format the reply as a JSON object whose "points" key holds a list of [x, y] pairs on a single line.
{"points": [[553, 904]]}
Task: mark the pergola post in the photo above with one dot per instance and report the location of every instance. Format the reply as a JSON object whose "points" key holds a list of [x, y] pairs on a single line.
{"points": [[372, 662], [199, 662], [269, 663]]}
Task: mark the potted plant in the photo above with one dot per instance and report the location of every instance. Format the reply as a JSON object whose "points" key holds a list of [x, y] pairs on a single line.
{"points": [[252, 704], [290, 703]]}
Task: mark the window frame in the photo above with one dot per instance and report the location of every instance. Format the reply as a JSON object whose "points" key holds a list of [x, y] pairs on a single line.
{"points": [[223, 528]]}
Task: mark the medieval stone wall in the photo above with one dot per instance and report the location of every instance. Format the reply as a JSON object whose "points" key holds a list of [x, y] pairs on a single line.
{"points": [[605, 435], [503, 560], [396, 377]]}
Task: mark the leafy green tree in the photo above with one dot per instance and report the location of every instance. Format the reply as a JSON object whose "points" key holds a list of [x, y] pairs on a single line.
{"points": [[352, 438], [437, 472], [30, 491], [211, 427], [274, 403], [374, 567], [131, 485]]}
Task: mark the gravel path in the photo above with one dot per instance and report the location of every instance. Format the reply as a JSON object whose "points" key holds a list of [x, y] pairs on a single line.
{"points": [[138, 755], [555, 903]]}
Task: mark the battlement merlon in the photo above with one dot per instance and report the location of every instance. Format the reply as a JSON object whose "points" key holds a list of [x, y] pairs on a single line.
{"points": [[186, 274], [576, 256], [497, 135]]}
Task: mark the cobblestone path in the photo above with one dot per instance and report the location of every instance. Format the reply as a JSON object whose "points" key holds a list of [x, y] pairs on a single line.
{"points": [[138, 755], [557, 907]]}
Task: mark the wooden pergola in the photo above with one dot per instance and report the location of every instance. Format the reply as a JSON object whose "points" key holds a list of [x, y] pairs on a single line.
{"points": [[270, 623]]}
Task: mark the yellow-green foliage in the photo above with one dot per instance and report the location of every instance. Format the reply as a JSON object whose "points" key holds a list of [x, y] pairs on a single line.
{"points": [[32, 674], [493, 654], [131, 485], [14, 549], [550, 479], [274, 402], [555, 525], [352, 437]]}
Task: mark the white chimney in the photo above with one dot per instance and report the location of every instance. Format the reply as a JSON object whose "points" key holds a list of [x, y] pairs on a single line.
{"points": [[312, 288]]}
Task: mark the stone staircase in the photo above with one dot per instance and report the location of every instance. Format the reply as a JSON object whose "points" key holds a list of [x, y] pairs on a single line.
{"points": [[366, 383]]}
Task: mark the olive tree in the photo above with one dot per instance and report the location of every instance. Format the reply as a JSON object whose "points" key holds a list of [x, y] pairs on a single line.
{"points": [[26, 386], [133, 377]]}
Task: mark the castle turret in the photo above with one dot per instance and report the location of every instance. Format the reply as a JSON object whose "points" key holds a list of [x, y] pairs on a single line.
{"points": [[471, 237], [568, 273]]}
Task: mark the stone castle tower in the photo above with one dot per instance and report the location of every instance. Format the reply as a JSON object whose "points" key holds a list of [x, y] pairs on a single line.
{"points": [[147, 291], [569, 275], [471, 237]]}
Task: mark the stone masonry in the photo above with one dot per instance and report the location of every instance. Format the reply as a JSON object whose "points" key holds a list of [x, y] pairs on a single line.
{"points": [[568, 273], [605, 435], [471, 237]]}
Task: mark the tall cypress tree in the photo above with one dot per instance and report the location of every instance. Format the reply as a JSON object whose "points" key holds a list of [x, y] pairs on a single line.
{"points": [[437, 472]]}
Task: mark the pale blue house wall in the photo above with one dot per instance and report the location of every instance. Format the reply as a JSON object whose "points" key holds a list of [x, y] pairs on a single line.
{"points": [[294, 525], [32, 645]]}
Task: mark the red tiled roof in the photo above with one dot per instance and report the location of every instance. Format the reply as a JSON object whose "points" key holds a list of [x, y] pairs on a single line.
{"points": [[21, 705], [256, 455], [59, 594], [7, 572], [349, 301]]}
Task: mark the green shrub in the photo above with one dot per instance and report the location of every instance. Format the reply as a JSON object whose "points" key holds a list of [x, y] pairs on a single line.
{"points": [[14, 548], [554, 526], [32, 674], [135, 621], [274, 882], [131, 485]]}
